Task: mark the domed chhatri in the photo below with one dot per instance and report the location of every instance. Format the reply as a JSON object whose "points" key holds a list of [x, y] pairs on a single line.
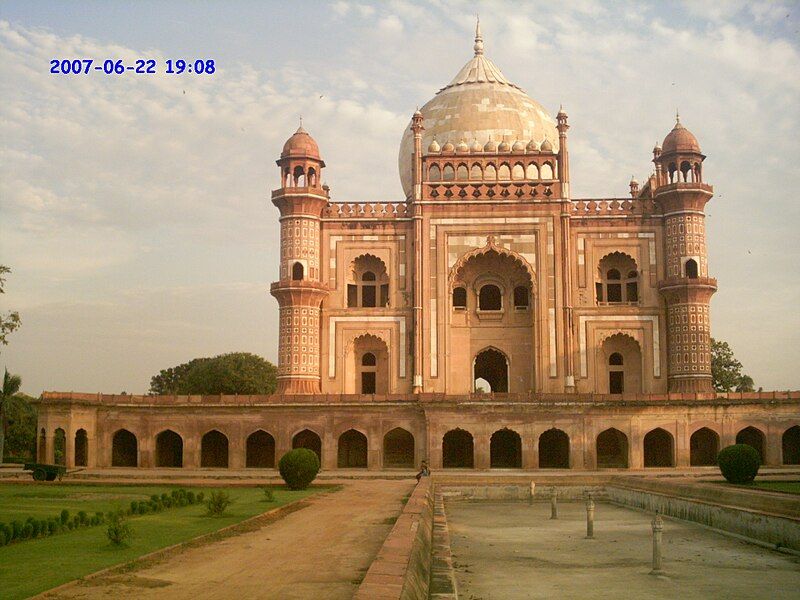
{"points": [[300, 144], [434, 147], [680, 139], [478, 103]]}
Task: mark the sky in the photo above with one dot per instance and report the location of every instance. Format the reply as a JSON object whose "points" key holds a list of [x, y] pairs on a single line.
{"points": [[134, 209]]}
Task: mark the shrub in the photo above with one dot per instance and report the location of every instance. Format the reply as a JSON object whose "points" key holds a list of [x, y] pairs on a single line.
{"points": [[27, 531], [64, 516], [217, 502], [191, 497], [37, 528], [119, 530], [3, 539], [6, 531], [100, 515], [739, 463], [299, 467], [155, 497], [200, 496], [44, 529], [83, 517], [134, 506], [269, 495], [16, 530], [52, 526]]}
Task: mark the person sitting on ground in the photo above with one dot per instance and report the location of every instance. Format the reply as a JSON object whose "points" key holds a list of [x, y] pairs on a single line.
{"points": [[424, 471]]}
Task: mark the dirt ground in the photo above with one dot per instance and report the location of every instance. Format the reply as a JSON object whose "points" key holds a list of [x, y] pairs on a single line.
{"points": [[513, 551], [321, 551]]}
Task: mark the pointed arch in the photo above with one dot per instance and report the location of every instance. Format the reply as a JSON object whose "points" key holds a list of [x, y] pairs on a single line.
{"points": [[790, 445], [260, 450], [398, 449], [458, 449], [169, 449], [491, 247], [352, 450], [703, 447], [612, 449], [554, 449], [214, 450], [659, 448], [124, 449], [81, 448], [505, 449], [308, 439], [752, 436]]}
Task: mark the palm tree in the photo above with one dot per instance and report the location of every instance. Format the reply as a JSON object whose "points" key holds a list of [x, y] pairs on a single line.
{"points": [[11, 385]]}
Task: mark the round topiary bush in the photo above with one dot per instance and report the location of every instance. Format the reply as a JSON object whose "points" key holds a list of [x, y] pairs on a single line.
{"points": [[739, 463], [299, 467]]}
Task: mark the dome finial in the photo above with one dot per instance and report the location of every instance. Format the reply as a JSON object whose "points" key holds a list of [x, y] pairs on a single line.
{"points": [[300, 129], [677, 117], [478, 37]]}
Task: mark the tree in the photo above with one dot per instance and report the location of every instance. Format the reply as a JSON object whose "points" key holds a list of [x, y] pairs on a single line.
{"points": [[726, 371], [20, 439], [9, 321], [234, 373], [11, 385]]}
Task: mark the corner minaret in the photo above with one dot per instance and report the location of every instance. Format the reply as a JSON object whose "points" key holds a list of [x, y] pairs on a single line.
{"points": [[300, 292], [687, 288]]}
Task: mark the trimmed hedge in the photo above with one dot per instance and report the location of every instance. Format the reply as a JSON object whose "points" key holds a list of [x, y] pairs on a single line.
{"points": [[739, 463], [299, 467], [33, 528]]}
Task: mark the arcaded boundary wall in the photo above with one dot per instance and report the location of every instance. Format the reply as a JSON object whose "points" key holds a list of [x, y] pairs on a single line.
{"points": [[402, 568], [768, 518]]}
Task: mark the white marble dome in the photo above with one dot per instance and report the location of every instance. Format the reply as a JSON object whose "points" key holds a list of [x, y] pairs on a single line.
{"points": [[477, 104]]}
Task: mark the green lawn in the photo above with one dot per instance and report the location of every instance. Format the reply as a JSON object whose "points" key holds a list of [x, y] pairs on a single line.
{"points": [[792, 487], [30, 567]]}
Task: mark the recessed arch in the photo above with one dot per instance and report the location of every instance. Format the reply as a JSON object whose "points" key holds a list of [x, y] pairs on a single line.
{"points": [[308, 439], [42, 453], [504, 172], [434, 173], [518, 172], [448, 173], [60, 446], [620, 364], [491, 365], [490, 173], [703, 447], [490, 297], [690, 268], [612, 449], [398, 449], [505, 449], [618, 279], [659, 448], [475, 172], [790, 445], [532, 171], [368, 283], [169, 449], [554, 449], [298, 271], [546, 171], [124, 449], [462, 172], [458, 449], [81, 448], [352, 450], [214, 450], [459, 297], [752, 436], [260, 450]]}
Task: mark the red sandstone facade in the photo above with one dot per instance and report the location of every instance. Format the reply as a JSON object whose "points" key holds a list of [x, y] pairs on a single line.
{"points": [[486, 320]]}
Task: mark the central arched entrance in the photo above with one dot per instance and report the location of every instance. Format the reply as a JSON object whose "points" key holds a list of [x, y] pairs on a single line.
{"points": [[754, 437], [458, 450], [505, 450], [491, 366], [352, 450]]}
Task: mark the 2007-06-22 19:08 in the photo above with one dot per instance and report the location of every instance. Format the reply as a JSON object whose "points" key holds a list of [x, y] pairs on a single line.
{"points": [[141, 66]]}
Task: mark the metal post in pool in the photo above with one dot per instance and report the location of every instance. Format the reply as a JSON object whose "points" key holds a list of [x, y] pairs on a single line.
{"points": [[554, 504], [589, 517], [658, 527]]}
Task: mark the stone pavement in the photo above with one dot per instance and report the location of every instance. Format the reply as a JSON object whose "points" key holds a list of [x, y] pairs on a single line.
{"points": [[513, 551]]}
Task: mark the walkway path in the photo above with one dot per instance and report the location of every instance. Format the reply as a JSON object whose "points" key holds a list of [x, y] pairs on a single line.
{"points": [[321, 551]]}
